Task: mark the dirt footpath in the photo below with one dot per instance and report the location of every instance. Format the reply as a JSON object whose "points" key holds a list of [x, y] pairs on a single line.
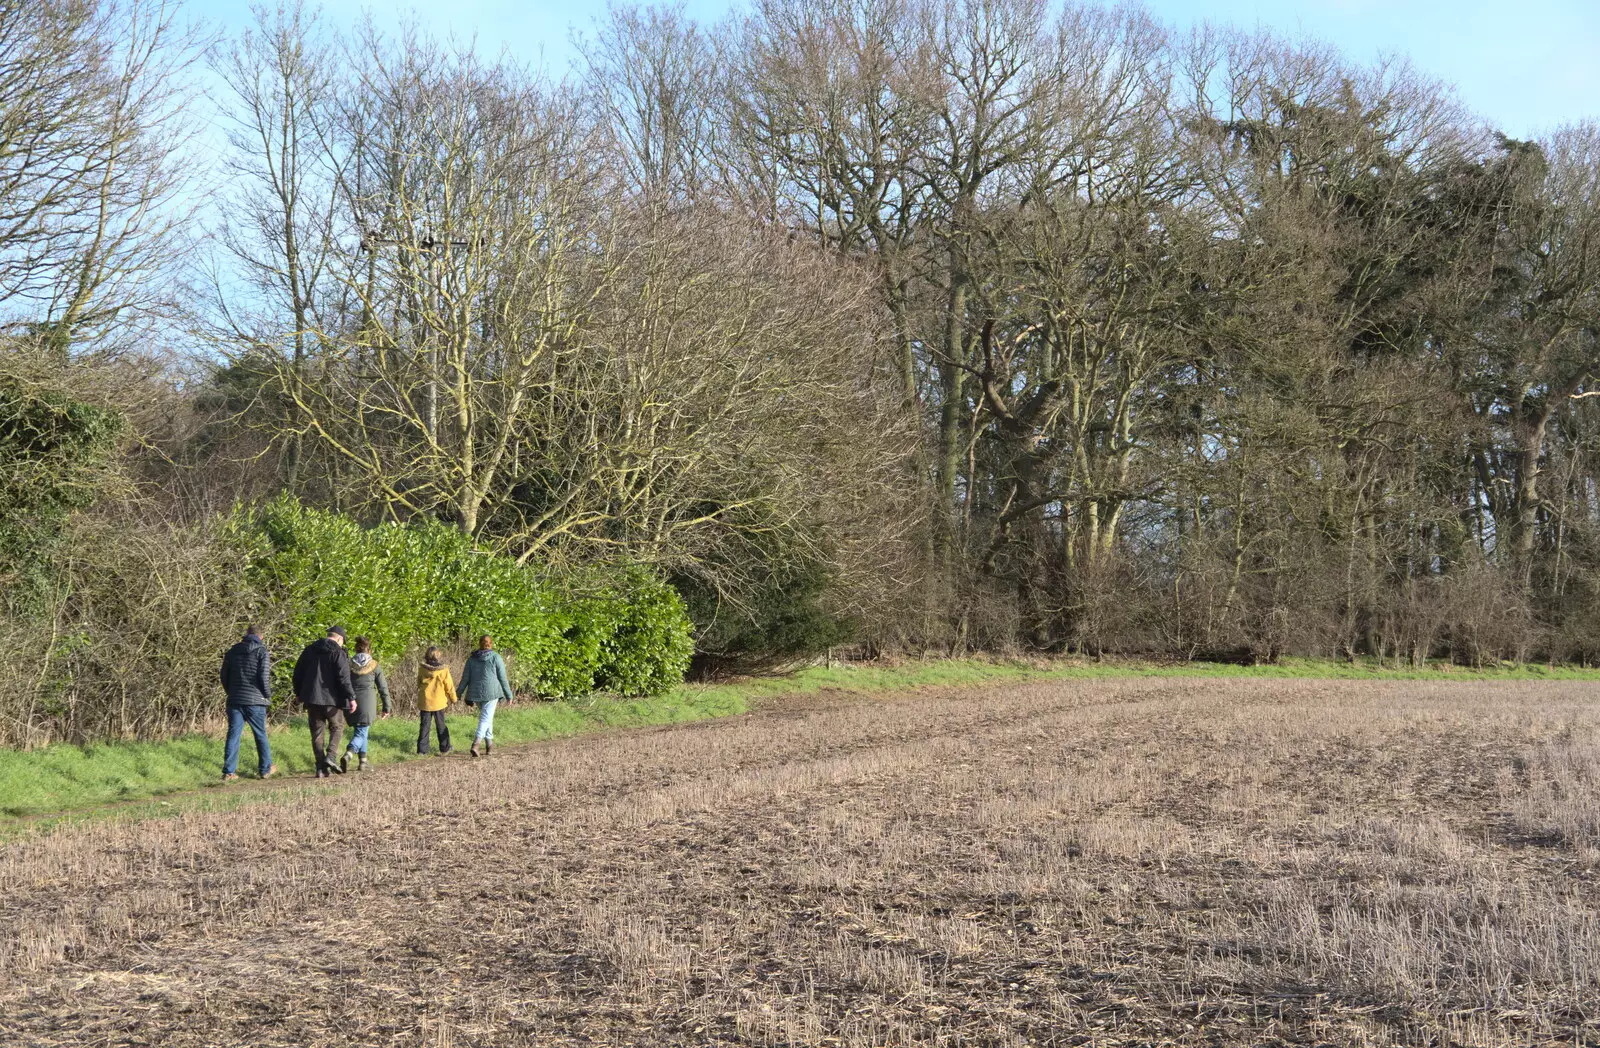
{"points": [[1188, 862]]}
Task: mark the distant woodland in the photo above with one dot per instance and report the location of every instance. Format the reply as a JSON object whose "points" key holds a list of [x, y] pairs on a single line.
{"points": [[875, 325]]}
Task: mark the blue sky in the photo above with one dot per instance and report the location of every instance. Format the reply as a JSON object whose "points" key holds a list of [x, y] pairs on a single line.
{"points": [[1524, 65]]}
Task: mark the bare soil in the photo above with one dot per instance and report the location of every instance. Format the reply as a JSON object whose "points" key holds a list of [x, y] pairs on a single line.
{"points": [[1135, 862]]}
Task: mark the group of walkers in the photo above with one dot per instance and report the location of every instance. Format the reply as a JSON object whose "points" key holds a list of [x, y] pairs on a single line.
{"points": [[336, 686]]}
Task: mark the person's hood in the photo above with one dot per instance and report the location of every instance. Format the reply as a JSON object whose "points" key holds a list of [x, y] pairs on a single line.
{"points": [[483, 654], [363, 663], [328, 644], [433, 669], [250, 638]]}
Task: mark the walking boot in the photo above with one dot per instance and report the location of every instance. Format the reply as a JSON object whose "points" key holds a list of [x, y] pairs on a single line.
{"points": [[488, 744], [474, 750], [362, 766], [344, 761]]}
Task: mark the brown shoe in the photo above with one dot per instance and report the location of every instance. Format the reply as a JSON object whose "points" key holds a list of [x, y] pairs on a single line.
{"points": [[229, 777], [474, 750], [270, 772]]}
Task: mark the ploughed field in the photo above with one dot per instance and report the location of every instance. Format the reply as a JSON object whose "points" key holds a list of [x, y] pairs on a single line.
{"points": [[1170, 861]]}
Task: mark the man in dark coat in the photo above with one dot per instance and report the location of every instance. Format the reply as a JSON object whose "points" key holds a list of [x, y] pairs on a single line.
{"points": [[322, 685], [247, 678]]}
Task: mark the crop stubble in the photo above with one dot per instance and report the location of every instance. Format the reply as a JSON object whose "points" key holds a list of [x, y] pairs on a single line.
{"points": [[1175, 861]]}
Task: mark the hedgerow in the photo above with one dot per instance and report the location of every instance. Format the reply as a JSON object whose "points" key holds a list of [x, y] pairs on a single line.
{"points": [[406, 586]]}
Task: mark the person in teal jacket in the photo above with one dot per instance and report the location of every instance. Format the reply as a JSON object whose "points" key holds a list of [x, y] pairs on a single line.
{"points": [[484, 685]]}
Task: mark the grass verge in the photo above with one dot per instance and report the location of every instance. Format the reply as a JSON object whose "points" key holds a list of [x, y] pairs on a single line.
{"points": [[70, 778], [67, 778]]}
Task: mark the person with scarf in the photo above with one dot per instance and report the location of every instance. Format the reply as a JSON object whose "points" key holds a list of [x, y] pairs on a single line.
{"points": [[366, 677], [484, 685], [436, 690]]}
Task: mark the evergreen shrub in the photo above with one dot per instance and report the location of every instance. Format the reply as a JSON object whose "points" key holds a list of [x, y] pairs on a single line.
{"points": [[406, 586]]}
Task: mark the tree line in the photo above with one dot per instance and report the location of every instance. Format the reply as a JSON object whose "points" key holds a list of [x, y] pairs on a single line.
{"points": [[937, 325]]}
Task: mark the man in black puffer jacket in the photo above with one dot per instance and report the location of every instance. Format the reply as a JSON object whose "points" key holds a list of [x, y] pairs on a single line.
{"points": [[322, 685], [247, 678]]}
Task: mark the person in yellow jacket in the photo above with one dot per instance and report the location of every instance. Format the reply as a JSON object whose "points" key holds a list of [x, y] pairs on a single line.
{"points": [[436, 691]]}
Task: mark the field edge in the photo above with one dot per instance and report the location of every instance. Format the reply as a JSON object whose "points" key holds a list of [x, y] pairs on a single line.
{"points": [[74, 782]]}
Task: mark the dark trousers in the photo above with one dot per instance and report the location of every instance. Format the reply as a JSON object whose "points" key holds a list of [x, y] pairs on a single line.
{"points": [[325, 720], [437, 717]]}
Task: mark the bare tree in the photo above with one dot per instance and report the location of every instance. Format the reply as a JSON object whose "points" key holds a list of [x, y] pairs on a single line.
{"points": [[93, 97], [280, 230], [654, 75]]}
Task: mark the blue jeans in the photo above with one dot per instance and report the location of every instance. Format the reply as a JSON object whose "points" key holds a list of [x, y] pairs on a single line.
{"points": [[486, 720], [358, 739], [256, 717]]}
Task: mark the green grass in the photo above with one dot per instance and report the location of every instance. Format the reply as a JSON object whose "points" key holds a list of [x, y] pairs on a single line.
{"points": [[68, 778], [873, 677]]}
